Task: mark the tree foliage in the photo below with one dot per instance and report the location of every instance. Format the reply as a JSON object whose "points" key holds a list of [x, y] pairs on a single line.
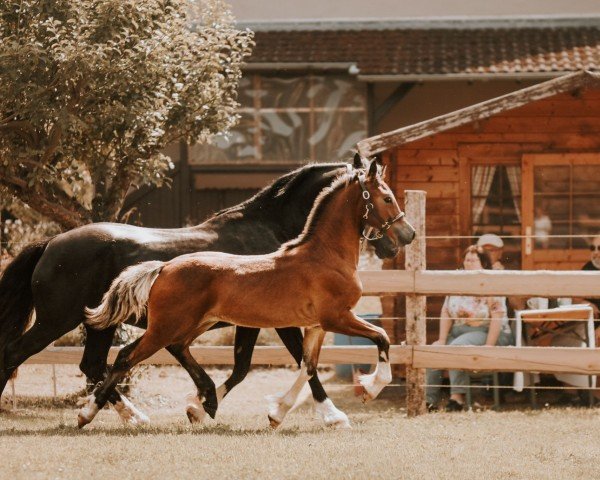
{"points": [[93, 90]]}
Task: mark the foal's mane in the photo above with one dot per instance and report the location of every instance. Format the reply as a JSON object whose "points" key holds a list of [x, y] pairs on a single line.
{"points": [[280, 187], [323, 199]]}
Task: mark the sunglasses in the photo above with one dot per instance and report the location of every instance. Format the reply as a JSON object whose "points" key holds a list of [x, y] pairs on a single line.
{"points": [[594, 248]]}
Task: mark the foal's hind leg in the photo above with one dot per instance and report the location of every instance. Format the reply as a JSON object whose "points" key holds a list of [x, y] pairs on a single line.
{"points": [[128, 357], [279, 405], [206, 400], [332, 416]]}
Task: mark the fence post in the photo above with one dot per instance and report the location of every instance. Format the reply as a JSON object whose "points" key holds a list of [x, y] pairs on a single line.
{"points": [[416, 306]]}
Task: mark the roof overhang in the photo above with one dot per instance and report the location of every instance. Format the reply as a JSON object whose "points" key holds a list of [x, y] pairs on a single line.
{"points": [[480, 111]]}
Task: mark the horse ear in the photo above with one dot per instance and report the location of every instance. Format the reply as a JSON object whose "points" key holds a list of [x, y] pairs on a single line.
{"points": [[358, 163], [378, 159], [372, 169]]}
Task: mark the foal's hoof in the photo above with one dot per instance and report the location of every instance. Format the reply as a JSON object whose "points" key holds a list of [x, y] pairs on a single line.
{"points": [[273, 423], [277, 409], [340, 425], [194, 409], [195, 415], [82, 421], [88, 412], [331, 415], [371, 387]]}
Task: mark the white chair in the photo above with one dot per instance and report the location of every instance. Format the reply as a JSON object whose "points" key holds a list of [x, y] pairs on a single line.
{"points": [[553, 321]]}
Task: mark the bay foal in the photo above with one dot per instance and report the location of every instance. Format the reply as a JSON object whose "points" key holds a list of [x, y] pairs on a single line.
{"points": [[310, 282]]}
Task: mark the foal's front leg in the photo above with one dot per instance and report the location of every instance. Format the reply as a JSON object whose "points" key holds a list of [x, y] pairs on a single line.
{"points": [[280, 405], [245, 339], [350, 324], [329, 413]]}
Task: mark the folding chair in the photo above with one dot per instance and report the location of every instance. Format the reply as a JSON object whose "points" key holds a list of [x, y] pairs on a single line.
{"points": [[541, 325]]}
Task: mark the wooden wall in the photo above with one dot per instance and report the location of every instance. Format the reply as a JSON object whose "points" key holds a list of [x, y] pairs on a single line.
{"points": [[440, 163]]}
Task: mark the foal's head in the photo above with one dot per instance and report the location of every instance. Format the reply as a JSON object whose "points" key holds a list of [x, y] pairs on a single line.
{"points": [[382, 215]]}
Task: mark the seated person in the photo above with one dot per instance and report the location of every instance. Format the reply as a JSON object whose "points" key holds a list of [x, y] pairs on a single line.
{"points": [[593, 265], [467, 320]]}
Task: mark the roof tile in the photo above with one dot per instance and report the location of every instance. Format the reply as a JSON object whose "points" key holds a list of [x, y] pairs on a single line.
{"points": [[437, 51]]}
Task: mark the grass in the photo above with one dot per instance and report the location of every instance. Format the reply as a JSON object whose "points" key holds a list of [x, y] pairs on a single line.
{"points": [[41, 441], [550, 444]]}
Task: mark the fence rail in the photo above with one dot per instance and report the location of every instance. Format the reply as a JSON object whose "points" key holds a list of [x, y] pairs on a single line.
{"points": [[416, 282], [506, 359], [538, 283]]}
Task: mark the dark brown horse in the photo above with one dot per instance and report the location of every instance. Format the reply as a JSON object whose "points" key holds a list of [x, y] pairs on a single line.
{"points": [[310, 282]]}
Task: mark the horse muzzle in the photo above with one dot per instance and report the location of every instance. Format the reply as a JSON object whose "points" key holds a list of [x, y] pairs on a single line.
{"points": [[404, 232]]}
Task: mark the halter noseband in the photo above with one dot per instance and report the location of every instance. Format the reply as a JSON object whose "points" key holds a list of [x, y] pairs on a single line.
{"points": [[370, 210]]}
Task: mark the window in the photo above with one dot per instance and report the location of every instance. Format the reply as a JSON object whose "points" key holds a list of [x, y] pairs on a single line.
{"points": [[496, 206], [291, 120], [567, 198]]}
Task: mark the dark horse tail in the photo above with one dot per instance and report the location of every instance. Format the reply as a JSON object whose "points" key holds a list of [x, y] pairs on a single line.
{"points": [[16, 299]]}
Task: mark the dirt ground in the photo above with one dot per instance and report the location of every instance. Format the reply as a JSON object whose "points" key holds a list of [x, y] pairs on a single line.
{"points": [[39, 441]]}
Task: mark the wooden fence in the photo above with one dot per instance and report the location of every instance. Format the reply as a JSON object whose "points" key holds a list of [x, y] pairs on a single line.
{"points": [[493, 282], [416, 283]]}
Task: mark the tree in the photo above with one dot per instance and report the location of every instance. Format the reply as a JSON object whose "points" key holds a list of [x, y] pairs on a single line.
{"points": [[93, 90]]}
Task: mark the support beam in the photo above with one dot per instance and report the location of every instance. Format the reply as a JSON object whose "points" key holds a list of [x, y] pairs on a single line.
{"points": [[416, 305], [392, 100]]}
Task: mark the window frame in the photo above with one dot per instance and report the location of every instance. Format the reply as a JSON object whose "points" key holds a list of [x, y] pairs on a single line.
{"points": [[256, 111], [532, 257]]}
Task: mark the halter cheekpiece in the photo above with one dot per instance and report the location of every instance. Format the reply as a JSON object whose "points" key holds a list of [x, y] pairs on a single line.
{"points": [[370, 210]]}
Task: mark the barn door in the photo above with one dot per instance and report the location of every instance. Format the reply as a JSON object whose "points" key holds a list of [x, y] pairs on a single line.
{"points": [[561, 209]]}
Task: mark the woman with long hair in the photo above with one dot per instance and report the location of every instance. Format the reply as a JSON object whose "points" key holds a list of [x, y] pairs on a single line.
{"points": [[467, 320]]}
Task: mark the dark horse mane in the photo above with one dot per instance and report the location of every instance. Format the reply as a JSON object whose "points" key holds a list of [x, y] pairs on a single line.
{"points": [[321, 202], [279, 187]]}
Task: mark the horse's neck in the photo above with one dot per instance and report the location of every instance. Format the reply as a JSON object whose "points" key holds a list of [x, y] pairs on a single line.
{"points": [[337, 233]]}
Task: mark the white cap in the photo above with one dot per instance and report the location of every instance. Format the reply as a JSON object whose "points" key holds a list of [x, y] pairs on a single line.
{"points": [[490, 239]]}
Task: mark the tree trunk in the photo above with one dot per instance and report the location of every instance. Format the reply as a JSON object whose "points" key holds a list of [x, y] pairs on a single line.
{"points": [[65, 211]]}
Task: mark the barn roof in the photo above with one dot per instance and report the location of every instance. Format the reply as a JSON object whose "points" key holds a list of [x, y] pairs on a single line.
{"points": [[414, 50], [480, 111]]}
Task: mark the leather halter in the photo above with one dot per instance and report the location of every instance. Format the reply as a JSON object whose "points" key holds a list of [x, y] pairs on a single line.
{"points": [[370, 210]]}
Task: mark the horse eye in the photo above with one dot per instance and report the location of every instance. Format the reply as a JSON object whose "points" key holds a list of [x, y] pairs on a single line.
{"points": [[387, 199]]}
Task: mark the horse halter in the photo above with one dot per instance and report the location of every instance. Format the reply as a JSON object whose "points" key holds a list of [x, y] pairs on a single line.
{"points": [[370, 210]]}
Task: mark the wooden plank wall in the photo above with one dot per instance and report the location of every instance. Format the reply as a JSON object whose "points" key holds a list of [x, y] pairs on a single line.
{"points": [[568, 122]]}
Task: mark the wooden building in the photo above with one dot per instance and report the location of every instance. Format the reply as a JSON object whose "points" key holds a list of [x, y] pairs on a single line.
{"points": [[529, 158], [523, 164], [311, 90]]}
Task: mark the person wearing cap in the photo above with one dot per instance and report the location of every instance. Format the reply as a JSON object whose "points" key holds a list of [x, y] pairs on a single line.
{"points": [[494, 246]]}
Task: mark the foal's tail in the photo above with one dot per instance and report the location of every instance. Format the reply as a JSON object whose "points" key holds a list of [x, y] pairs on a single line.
{"points": [[16, 298], [128, 295]]}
